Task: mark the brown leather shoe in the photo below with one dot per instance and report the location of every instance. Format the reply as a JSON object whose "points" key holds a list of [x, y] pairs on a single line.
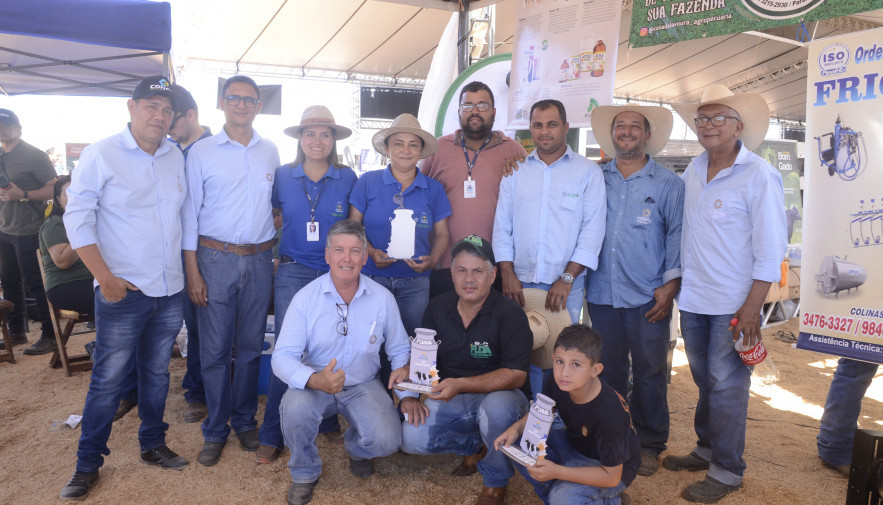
{"points": [[266, 454], [469, 465], [491, 496]]}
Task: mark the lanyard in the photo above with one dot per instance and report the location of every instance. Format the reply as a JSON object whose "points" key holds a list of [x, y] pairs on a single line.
{"points": [[313, 204], [470, 164]]}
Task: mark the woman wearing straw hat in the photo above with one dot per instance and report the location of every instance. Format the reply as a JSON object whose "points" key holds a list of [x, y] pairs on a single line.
{"points": [[313, 193], [402, 193]]}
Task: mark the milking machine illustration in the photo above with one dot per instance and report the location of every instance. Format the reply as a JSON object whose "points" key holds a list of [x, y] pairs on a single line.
{"points": [[866, 225], [844, 157]]}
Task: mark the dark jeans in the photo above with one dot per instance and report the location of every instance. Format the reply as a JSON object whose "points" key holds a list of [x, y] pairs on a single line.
{"points": [[19, 272], [78, 296], [194, 388]]}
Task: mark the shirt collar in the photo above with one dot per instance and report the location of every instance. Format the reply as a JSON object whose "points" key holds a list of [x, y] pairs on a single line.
{"points": [[496, 138], [298, 171], [649, 168], [741, 158], [568, 154], [328, 287], [420, 181], [487, 307], [222, 137], [130, 142]]}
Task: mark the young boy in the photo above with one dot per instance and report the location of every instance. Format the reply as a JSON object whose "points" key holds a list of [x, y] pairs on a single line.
{"points": [[597, 456]]}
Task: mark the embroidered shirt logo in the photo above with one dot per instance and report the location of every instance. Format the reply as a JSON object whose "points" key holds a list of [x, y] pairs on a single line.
{"points": [[644, 218], [480, 350], [718, 203]]}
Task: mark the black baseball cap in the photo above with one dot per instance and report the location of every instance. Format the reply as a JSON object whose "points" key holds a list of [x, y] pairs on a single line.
{"points": [[9, 118], [184, 100], [478, 244], [153, 86]]}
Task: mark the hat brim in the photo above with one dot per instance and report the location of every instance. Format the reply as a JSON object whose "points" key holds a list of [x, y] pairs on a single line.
{"points": [[340, 132], [545, 326], [660, 120], [430, 145], [752, 108]]}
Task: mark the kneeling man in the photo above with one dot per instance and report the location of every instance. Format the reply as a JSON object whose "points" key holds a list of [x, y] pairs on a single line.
{"points": [[483, 359], [328, 353]]}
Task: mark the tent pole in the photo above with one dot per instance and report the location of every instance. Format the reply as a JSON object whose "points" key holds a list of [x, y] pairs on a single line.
{"points": [[463, 37]]}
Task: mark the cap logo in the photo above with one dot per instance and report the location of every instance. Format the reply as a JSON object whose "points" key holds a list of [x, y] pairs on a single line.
{"points": [[474, 240]]}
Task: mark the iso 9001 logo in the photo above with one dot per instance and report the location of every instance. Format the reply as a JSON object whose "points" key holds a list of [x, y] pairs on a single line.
{"points": [[781, 9], [833, 59]]}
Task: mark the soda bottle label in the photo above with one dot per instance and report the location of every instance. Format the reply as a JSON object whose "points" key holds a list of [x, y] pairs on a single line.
{"points": [[753, 356]]}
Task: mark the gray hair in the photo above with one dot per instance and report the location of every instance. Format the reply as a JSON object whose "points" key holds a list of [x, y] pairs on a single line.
{"points": [[474, 252], [347, 227]]}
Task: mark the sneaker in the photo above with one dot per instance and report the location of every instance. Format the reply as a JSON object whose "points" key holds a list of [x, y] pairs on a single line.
{"points": [[210, 453], [266, 454], [649, 463], [78, 487], [300, 493], [165, 458], [362, 468], [16, 339], [691, 462], [195, 412], [42, 346], [125, 406], [709, 490], [249, 440]]}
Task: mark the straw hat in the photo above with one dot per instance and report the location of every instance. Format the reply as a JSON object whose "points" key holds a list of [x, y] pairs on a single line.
{"points": [[318, 115], [545, 325], [753, 109], [660, 120], [405, 123]]}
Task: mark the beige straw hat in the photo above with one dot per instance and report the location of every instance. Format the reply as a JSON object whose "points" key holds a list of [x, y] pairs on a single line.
{"points": [[318, 115], [752, 108], [545, 325], [660, 120], [405, 123]]}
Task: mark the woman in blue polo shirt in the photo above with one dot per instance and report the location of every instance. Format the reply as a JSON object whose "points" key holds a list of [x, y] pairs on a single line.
{"points": [[374, 201], [312, 193]]}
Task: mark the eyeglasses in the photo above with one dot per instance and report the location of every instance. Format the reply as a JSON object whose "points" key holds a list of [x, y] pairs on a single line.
{"points": [[175, 120], [715, 121], [233, 100], [481, 106], [342, 310], [399, 199]]}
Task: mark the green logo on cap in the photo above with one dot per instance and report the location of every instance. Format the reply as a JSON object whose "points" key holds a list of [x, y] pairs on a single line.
{"points": [[474, 240]]}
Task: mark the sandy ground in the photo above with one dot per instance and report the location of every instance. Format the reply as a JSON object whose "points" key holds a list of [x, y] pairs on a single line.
{"points": [[36, 461]]}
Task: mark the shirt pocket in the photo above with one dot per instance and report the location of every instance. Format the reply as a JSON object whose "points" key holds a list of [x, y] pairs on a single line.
{"points": [[569, 195], [371, 342], [644, 212]]}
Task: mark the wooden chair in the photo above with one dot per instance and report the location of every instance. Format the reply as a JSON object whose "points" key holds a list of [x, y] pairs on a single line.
{"points": [[8, 354], [63, 322]]}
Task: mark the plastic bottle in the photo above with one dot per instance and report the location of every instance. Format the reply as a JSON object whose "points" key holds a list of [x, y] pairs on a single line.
{"points": [[539, 422], [565, 72], [764, 368], [598, 59]]}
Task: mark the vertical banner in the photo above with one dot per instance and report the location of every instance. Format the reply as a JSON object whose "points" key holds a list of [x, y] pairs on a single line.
{"points": [[782, 154], [565, 51], [842, 287]]}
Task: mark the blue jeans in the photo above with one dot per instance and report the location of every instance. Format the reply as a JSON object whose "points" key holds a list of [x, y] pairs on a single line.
{"points": [[194, 388], [574, 307], [842, 408], [412, 297], [723, 382], [627, 332], [144, 327], [239, 289], [463, 424], [290, 278], [562, 492], [374, 430]]}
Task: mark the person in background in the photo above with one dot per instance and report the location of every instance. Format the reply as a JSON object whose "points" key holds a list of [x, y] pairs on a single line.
{"points": [[312, 193]]}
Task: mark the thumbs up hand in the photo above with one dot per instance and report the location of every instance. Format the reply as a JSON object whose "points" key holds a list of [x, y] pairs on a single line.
{"points": [[327, 380]]}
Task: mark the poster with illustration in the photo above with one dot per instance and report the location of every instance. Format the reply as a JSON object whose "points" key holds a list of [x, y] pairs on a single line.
{"points": [[841, 292], [782, 154], [565, 51]]}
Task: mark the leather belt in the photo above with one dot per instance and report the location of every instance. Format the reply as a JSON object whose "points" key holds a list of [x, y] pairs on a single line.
{"points": [[237, 249]]}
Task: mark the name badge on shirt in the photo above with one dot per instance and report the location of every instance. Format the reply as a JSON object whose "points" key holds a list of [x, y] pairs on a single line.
{"points": [[469, 189], [312, 231]]}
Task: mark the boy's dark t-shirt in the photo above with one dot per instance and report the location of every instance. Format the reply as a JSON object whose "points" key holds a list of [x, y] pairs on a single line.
{"points": [[601, 429]]}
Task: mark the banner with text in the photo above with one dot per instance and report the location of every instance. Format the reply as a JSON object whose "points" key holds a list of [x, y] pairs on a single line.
{"points": [[565, 51], [841, 294], [668, 21], [782, 154]]}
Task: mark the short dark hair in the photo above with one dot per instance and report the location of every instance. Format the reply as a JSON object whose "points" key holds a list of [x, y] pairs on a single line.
{"points": [[57, 209], [241, 78], [347, 227], [581, 338], [476, 86], [548, 104]]}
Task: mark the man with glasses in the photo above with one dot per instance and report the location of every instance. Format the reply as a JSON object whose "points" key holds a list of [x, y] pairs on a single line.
{"points": [[733, 241], [468, 165], [328, 352], [228, 254]]}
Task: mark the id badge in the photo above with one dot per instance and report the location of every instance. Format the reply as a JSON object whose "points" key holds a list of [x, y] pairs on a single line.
{"points": [[469, 189], [312, 231]]}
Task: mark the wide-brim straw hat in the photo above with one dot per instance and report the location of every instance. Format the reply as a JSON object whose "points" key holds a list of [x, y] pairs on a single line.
{"points": [[752, 108], [545, 326], [660, 120], [318, 115], [405, 123]]}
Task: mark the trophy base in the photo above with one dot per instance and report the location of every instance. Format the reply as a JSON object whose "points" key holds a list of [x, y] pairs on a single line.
{"points": [[415, 388], [517, 455]]}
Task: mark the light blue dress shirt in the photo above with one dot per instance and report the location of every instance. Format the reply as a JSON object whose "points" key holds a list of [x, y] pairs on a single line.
{"points": [[642, 246], [229, 187], [128, 203], [309, 337], [734, 231], [550, 215]]}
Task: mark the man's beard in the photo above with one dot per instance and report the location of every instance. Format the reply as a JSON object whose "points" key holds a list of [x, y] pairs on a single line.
{"points": [[477, 132], [631, 154]]}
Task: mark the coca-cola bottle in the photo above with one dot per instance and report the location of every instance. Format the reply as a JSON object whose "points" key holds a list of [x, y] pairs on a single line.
{"points": [[764, 368]]}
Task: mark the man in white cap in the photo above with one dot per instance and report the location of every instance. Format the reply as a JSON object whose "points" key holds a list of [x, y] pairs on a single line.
{"points": [[630, 294], [734, 240]]}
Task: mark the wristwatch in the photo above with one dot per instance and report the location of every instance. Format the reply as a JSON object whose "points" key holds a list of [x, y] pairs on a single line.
{"points": [[24, 197], [566, 278]]}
